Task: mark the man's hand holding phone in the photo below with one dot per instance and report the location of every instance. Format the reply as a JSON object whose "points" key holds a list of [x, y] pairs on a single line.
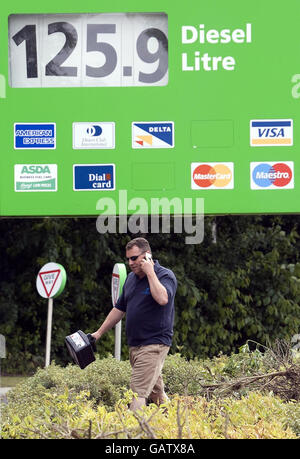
{"points": [[158, 291], [147, 264]]}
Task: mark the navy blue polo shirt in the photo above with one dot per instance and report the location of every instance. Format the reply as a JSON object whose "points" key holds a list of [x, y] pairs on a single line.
{"points": [[148, 322]]}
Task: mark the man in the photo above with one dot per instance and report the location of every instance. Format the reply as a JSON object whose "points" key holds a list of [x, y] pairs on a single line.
{"points": [[148, 301]]}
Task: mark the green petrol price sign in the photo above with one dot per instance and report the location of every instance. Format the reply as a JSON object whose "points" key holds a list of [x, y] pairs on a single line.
{"points": [[124, 108]]}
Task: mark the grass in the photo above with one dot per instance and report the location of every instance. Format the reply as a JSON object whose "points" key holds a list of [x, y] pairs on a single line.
{"points": [[11, 381]]}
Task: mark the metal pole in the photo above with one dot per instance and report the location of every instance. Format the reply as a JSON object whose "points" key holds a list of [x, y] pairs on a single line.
{"points": [[49, 328], [118, 329]]}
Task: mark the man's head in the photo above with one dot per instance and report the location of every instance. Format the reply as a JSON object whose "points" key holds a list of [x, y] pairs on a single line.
{"points": [[135, 252]]}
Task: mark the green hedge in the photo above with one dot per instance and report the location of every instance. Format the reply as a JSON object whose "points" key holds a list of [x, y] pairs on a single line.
{"points": [[59, 402]]}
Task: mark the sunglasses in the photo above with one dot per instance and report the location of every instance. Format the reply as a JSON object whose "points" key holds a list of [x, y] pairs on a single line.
{"points": [[134, 257]]}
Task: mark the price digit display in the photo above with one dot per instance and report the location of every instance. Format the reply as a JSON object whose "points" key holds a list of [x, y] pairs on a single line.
{"points": [[28, 34], [88, 50], [54, 66], [146, 56], [108, 50]]}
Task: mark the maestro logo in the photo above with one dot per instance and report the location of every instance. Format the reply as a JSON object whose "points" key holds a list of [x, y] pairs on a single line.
{"points": [[212, 176], [272, 175]]}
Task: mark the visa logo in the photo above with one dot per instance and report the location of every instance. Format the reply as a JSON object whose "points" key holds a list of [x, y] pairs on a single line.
{"points": [[275, 132], [271, 133]]}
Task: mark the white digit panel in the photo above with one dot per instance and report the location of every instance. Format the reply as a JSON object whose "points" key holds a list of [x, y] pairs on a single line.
{"points": [[24, 48], [60, 39], [127, 50], [151, 50], [101, 57], [65, 50]]}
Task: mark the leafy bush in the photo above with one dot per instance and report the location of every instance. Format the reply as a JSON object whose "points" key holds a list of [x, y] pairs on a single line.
{"points": [[182, 376], [105, 380], [292, 417], [255, 416], [251, 394]]}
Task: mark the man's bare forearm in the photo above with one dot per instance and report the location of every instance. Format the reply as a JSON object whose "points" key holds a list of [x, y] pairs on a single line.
{"points": [[111, 320], [158, 291]]}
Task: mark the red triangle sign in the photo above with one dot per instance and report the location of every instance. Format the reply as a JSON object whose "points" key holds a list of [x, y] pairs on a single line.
{"points": [[140, 142], [48, 279]]}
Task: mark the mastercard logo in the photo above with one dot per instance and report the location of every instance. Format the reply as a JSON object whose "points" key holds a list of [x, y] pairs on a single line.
{"points": [[275, 175], [212, 176]]}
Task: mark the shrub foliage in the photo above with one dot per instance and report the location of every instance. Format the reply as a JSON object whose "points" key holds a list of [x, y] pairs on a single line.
{"points": [[251, 394]]}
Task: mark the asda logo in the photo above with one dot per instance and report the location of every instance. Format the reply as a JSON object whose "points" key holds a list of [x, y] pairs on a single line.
{"points": [[211, 176], [35, 177], [35, 169], [273, 175]]}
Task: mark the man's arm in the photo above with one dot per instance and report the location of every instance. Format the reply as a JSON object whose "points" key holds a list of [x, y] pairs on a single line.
{"points": [[158, 291], [111, 320]]}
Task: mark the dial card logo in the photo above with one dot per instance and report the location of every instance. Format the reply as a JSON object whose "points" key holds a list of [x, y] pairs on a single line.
{"points": [[272, 175], [271, 133], [212, 176], [153, 134], [93, 177]]}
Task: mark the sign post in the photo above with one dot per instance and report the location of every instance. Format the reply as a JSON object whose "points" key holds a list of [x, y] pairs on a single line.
{"points": [[50, 283], [2, 351], [119, 275], [49, 329]]}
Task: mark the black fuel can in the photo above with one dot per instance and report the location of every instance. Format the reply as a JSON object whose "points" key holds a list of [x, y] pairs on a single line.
{"points": [[81, 348]]}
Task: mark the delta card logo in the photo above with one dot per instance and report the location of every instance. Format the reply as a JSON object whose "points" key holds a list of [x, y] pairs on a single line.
{"points": [[93, 177], [31, 136], [272, 175], [212, 176], [35, 177], [94, 135], [270, 133], [153, 135]]}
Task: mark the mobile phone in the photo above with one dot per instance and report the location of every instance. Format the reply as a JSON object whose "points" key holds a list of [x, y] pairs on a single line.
{"points": [[148, 256]]}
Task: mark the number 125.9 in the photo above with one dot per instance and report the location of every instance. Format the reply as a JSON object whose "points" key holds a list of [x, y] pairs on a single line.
{"points": [[90, 54]]}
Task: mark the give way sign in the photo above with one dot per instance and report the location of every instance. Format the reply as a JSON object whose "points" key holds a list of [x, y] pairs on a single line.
{"points": [[51, 280]]}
